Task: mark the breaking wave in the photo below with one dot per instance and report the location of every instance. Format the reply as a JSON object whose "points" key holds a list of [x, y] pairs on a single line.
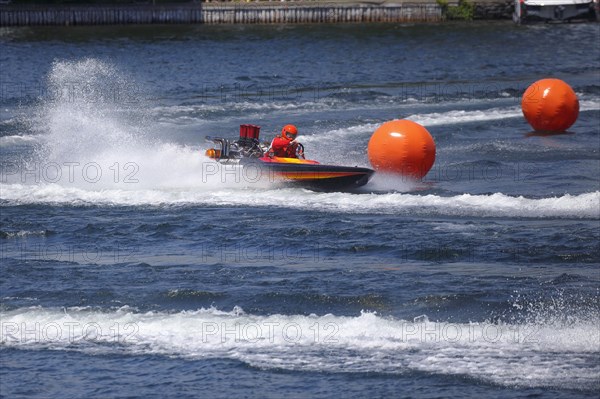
{"points": [[368, 342]]}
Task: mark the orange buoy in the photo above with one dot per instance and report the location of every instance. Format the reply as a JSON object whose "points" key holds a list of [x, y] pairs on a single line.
{"points": [[402, 147], [550, 105]]}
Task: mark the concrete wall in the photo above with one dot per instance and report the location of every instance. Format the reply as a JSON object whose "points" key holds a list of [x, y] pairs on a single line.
{"points": [[245, 13]]}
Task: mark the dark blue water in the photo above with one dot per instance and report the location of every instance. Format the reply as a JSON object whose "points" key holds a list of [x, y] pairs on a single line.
{"points": [[131, 267]]}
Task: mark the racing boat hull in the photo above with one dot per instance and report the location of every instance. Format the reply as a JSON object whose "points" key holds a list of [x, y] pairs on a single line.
{"points": [[311, 174], [249, 152]]}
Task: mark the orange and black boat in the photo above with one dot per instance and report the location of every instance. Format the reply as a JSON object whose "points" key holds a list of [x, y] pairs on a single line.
{"points": [[249, 152]]}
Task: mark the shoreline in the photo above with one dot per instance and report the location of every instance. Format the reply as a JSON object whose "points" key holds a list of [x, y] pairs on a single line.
{"points": [[258, 12]]}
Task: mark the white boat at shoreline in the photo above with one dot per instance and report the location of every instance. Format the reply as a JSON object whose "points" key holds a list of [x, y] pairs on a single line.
{"points": [[555, 10]]}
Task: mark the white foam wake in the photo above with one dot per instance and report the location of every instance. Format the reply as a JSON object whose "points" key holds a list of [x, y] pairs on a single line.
{"points": [[494, 205], [529, 354], [492, 114], [462, 116]]}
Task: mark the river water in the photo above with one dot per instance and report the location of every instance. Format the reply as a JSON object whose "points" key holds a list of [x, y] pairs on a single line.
{"points": [[130, 268]]}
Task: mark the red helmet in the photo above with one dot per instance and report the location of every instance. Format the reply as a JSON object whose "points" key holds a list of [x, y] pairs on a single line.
{"points": [[289, 132]]}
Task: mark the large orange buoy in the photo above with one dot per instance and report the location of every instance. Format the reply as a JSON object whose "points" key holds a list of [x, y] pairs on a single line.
{"points": [[550, 105], [403, 147]]}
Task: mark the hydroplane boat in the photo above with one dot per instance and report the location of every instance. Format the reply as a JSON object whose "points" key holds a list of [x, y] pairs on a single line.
{"points": [[249, 152]]}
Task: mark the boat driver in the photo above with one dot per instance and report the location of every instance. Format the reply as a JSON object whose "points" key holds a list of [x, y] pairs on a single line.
{"points": [[285, 145]]}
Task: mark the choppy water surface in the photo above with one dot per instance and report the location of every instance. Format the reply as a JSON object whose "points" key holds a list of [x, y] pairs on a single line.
{"points": [[132, 267]]}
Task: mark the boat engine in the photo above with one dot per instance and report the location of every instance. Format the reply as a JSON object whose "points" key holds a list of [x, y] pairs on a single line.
{"points": [[247, 146]]}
